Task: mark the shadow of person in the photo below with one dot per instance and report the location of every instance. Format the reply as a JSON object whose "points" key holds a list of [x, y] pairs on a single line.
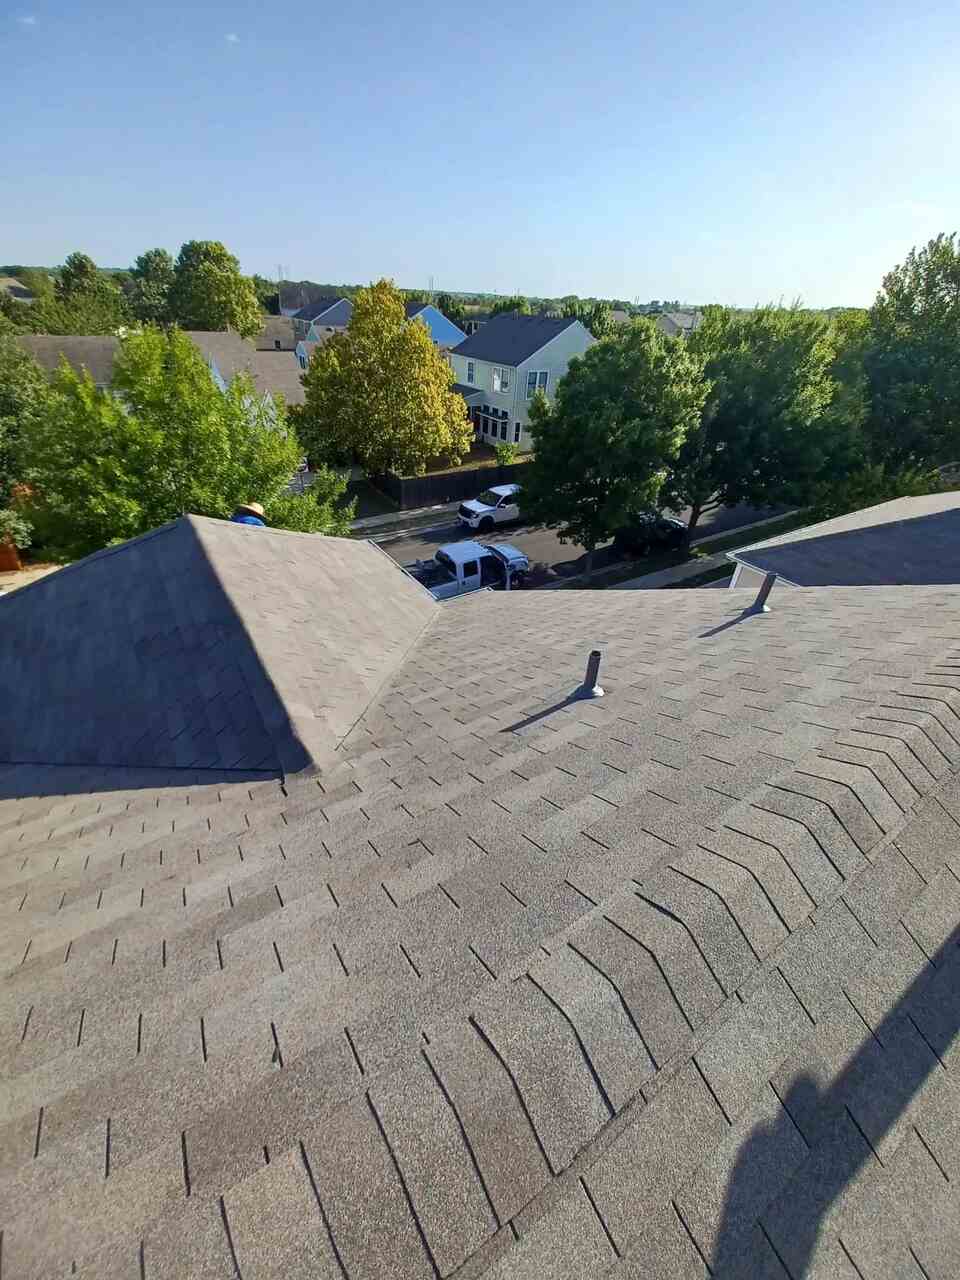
{"points": [[841, 1127], [734, 1255]]}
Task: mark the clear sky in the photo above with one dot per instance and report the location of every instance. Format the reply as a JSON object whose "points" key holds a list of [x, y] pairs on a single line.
{"points": [[737, 152]]}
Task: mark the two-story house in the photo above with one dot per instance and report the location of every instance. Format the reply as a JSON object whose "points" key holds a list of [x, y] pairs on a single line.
{"points": [[499, 369]]}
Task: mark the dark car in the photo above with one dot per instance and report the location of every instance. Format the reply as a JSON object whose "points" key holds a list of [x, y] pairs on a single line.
{"points": [[648, 532]]}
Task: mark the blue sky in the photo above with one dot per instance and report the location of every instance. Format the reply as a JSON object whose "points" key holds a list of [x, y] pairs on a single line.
{"points": [[737, 152]]}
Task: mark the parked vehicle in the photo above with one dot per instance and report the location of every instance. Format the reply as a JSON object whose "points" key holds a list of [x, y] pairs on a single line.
{"points": [[460, 567], [650, 531], [497, 505]]}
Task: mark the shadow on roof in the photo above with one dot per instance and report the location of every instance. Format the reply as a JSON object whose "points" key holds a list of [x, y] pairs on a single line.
{"points": [[203, 645], [851, 1118], [40, 781], [918, 551]]}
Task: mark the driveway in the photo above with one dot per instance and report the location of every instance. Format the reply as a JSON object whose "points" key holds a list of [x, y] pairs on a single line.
{"points": [[543, 547]]}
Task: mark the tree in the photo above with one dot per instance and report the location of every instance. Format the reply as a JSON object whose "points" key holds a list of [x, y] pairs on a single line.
{"points": [[208, 291], [869, 485], [911, 359], [151, 282], [380, 392], [82, 301], [107, 465], [77, 275], [602, 448], [268, 294], [452, 308], [767, 430], [24, 393], [516, 303]]}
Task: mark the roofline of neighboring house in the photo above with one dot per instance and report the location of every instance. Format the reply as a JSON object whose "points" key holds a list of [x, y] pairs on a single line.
{"points": [[490, 360], [737, 558], [320, 314]]}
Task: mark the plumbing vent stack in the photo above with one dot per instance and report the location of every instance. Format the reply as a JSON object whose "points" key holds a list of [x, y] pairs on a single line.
{"points": [[590, 688]]}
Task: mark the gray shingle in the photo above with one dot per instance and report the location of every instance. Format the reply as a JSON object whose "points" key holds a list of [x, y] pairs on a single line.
{"points": [[505, 1017]]}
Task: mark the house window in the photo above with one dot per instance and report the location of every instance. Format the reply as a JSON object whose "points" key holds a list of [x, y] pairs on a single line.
{"points": [[276, 344], [470, 372], [501, 379], [516, 433], [503, 431], [536, 381]]}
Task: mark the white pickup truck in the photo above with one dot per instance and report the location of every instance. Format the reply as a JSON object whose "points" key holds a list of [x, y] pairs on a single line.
{"points": [[460, 567], [498, 505]]}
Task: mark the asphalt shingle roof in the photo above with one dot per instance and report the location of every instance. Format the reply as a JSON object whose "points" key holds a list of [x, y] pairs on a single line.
{"points": [[95, 354], [909, 540], [313, 310], [272, 371], [520, 986], [511, 338], [276, 329]]}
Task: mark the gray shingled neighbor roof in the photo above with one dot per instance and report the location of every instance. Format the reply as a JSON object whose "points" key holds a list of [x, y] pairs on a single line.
{"points": [[272, 371], [909, 541], [203, 644], [523, 988], [276, 329], [510, 338], [95, 354]]}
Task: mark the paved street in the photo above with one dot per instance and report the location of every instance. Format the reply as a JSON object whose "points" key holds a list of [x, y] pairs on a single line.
{"points": [[542, 546]]}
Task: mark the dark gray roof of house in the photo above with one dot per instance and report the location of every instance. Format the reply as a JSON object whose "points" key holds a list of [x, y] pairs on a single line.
{"points": [[95, 354], [511, 338], [907, 541], [414, 308], [276, 329], [203, 644], [317, 307], [517, 987], [466, 391]]}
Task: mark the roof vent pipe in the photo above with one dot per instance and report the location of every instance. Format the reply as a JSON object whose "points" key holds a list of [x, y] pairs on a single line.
{"points": [[760, 604], [590, 688]]}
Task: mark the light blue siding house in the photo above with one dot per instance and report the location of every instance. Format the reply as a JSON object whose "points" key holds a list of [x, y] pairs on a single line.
{"points": [[444, 332]]}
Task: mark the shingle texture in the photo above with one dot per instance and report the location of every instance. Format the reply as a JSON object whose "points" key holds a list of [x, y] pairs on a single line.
{"points": [[203, 645], [912, 541], [511, 338], [95, 354], [664, 984]]}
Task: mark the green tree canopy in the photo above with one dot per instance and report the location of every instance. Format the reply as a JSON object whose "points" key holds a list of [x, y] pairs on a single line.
{"points": [[208, 291], [151, 281], [911, 359], [268, 294], [768, 429], [602, 448], [83, 300], [108, 465], [517, 303], [380, 392], [77, 275], [452, 308], [24, 394]]}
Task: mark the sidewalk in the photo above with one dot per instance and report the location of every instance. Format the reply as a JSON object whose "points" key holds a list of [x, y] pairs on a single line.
{"points": [[397, 523]]}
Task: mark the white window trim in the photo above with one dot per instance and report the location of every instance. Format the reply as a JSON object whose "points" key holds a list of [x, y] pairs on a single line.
{"points": [[541, 381], [471, 374]]}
